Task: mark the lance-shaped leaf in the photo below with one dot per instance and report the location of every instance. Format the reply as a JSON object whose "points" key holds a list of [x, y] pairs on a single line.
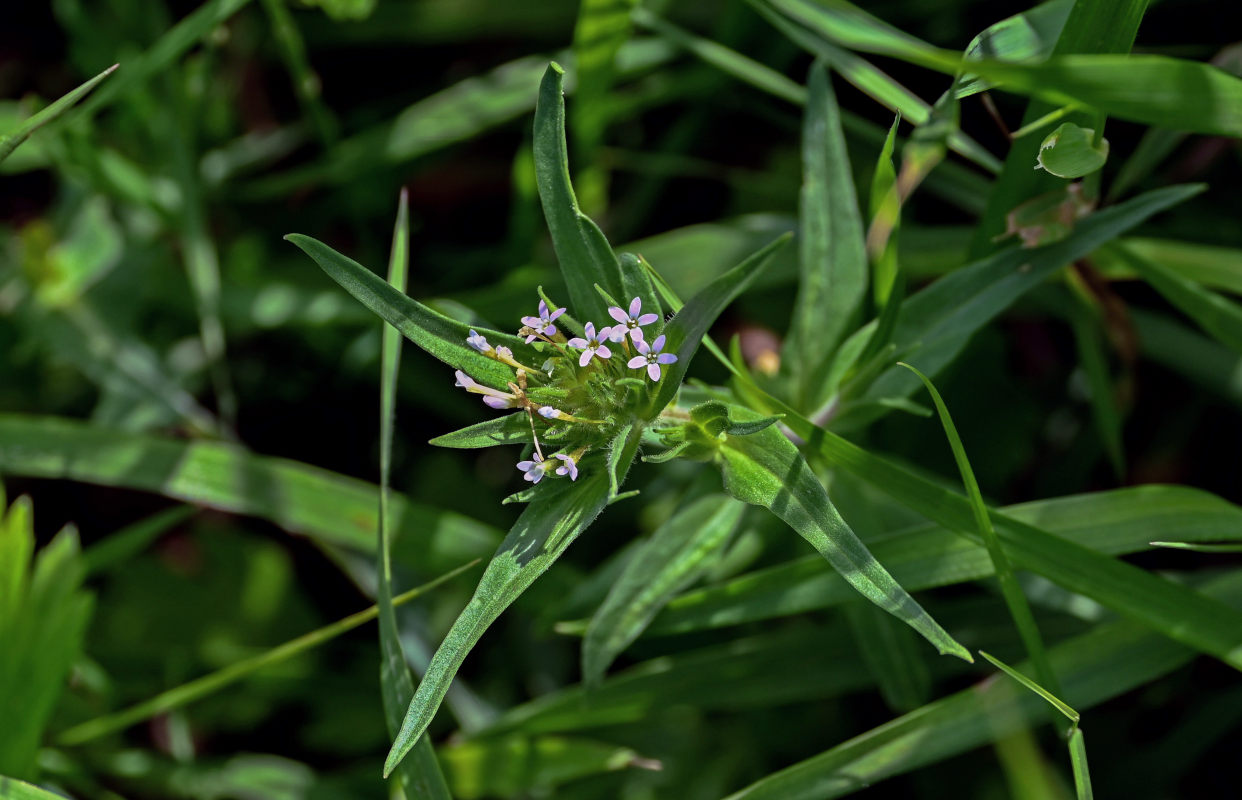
{"points": [[13, 789], [833, 258], [674, 557], [420, 775], [10, 141], [509, 429], [583, 251], [766, 469], [1025, 37], [439, 335], [687, 329], [541, 534]]}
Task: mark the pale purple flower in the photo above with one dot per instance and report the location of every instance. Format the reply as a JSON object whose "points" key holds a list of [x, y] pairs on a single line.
{"points": [[492, 397], [630, 322], [592, 345], [651, 357], [535, 470], [570, 467], [542, 324], [476, 340]]}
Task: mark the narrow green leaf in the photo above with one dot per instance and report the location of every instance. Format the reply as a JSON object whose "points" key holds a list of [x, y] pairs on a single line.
{"points": [[1117, 522], [1015, 600], [937, 322], [521, 766], [328, 507], [1052, 699], [1104, 663], [10, 141], [766, 469], [1217, 315], [1094, 363], [541, 534], [891, 651], [1202, 360], [1078, 760], [1214, 267], [1072, 151], [674, 557], [13, 789], [420, 775], [692, 321], [833, 258], [1025, 37], [440, 336], [119, 547], [1201, 548], [584, 254], [209, 684], [509, 429]]}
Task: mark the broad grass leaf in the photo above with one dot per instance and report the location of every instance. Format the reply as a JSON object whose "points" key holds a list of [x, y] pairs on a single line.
{"points": [[1029, 36], [519, 766], [766, 469]]}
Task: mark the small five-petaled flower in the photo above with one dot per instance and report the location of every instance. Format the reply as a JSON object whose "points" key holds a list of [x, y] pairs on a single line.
{"points": [[593, 345], [542, 324], [651, 357], [630, 322]]}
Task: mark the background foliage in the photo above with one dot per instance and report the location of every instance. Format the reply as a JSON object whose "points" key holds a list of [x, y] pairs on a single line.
{"points": [[191, 451]]}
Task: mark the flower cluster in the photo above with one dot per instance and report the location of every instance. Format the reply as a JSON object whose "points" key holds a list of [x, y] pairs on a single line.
{"points": [[580, 386]]}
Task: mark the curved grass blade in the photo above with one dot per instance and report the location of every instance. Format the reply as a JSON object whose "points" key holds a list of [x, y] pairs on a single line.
{"points": [[439, 335], [1052, 699], [1019, 609], [13, 789], [119, 547], [10, 141], [323, 505], [215, 681], [832, 257], [581, 248], [1117, 522], [1085, 323], [1217, 315], [1201, 548], [766, 469], [692, 321], [420, 775], [525, 766], [541, 534], [673, 558]]}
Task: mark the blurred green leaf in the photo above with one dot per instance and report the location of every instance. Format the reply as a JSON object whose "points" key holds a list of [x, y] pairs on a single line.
{"points": [[13, 789], [832, 254], [519, 765], [1029, 36], [1217, 315], [10, 141], [214, 682], [300, 498], [546, 528], [675, 556], [766, 469], [892, 653], [1214, 267]]}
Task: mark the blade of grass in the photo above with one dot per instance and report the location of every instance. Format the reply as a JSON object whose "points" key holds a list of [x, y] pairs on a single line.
{"points": [[128, 542], [306, 84], [420, 775], [1091, 357], [1011, 590], [323, 505], [1217, 315], [13, 789], [1201, 548], [209, 684], [10, 141]]}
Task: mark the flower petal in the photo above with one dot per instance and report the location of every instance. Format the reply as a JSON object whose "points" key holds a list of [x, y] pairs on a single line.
{"points": [[658, 344], [525, 465], [550, 330], [647, 319], [585, 357], [617, 314], [617, 333], [641, 346], [543, 310], [590, 330], [555, 314], [603, 352], [547, 412], [496, 402], [636, 305], [578, 342], [653, 371], [666, 358], [530, 339], [533, 322], [637, 362], [463, 380]]}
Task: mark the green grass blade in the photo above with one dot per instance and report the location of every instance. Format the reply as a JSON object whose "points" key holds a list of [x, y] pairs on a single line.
{"points": [[1214, 267], [584, 254], [10, 141], [440, 336], [687, 329], [1015, 600], [1029, 36], [173, 44], [524, 766], [891, 652], [832, 257], [674, 557], [13, 789], [214, 682], [1117, 522], [937, 322], [1052, 699], [1217, 315], [1096, 666], [306, 84], [1091, 357], [509, 429], [541, 534], [1186, 352], [420, 775], [1200, 548], [766, 469], [1078, 760], [326, 506]]}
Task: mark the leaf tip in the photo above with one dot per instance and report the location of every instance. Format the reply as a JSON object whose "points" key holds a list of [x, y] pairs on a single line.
{"points": [[555, 67]]}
